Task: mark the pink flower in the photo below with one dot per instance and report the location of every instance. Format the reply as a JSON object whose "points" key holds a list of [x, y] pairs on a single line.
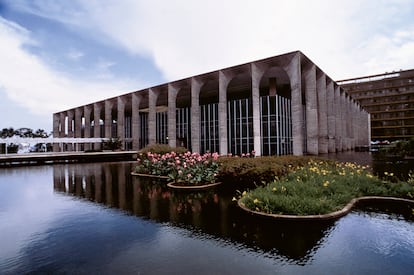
{"points": [[215, 155]]}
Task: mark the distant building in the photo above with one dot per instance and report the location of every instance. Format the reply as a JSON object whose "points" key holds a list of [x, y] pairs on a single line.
{"points": [[389, 98], [275, 106]]}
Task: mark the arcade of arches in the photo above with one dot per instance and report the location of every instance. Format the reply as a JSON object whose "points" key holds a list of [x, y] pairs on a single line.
{"points": [[275, 106]]}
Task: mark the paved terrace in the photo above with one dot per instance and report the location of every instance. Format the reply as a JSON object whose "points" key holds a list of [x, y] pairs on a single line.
{"points": [[62, 157]]}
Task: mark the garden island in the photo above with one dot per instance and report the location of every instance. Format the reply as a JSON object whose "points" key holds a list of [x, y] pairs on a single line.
{"points": [[277, 186]]}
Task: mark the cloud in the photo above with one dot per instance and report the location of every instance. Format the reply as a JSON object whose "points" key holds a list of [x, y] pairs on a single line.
{"points": [[186, 38], [29, 81], [74, 54]]}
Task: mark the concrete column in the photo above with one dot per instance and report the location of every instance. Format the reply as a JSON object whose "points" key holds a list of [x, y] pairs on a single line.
{"points": [[331, 116], [338, 133], [56, 121], [62, 132], [56, 132], [70, 128], [322, 113], [293, 69], [348, 123], [78, 126], [87, 131], [224, 81], [363, 127], [343, 122], [121, 121], [78, 122], [257, 74], [195, 114], [172, 110], [108, 119], [136, 123], [97, 124], [355, 129], [152, 116], [368, 127], [312, 136]]}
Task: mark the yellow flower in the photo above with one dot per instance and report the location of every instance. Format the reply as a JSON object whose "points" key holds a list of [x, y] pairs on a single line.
{"points": [[274, 189], [256, 201], [283, 189], [326, 183], [244, 193]]}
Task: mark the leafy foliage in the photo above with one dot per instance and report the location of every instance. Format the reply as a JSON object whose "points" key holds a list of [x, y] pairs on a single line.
{"points": [[321, 187], [112, 144], [400, 148], [23, 132], [257, 170], [162, 149]]}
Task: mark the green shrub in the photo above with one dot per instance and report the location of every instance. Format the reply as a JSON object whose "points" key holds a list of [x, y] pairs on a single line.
{"points": [[162, 149], [12, 148], [112, 144], [257, 170], [321, 187]]}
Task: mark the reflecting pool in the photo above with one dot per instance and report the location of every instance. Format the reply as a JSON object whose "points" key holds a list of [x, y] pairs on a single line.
{"points": [[98, 219]]}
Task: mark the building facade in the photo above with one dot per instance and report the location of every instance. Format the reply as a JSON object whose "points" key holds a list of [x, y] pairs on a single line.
{"points": [[389, 98], [275, 106]]}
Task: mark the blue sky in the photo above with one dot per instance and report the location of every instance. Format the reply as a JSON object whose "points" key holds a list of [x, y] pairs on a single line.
{"points": [[56, 55]]}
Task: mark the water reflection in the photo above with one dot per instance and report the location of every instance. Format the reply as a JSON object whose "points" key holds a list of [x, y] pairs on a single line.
{"points": [[399, 167], [208, 212]]}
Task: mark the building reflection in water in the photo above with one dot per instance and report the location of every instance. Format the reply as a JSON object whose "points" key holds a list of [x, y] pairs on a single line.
{"points": [[209, 212]]}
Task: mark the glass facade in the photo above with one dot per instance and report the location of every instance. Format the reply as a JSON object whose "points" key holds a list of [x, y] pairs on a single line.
{"points": [[162, 128], [183, 124], [209, 130], [143, 139], [240, 126], [276, 126]]}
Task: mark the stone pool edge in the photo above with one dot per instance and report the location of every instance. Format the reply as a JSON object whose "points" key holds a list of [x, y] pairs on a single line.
{"points": [[329, 216]]}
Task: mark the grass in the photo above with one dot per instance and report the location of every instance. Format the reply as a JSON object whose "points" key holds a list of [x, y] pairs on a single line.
{"points": [[321, 187]]}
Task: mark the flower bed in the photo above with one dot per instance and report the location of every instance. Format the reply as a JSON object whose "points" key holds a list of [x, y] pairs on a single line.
{"points": [[187, 168], [321, 187]]}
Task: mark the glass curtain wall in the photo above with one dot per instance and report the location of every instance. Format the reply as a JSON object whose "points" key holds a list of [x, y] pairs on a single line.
{"points": [[209, 134], [143, 139], [183, 124], [128, 132], [276, 126], [240, 126], [162, 128]]}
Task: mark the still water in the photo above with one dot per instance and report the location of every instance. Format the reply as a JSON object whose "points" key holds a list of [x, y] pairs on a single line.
{"points": [[98, 219]]}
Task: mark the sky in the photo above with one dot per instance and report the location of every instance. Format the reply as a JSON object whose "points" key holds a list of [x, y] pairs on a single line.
{"points": [[57, 55]]}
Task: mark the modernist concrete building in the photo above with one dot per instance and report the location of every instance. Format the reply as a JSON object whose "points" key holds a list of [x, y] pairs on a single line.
{"points": [[275, 106], [389, 98]]}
